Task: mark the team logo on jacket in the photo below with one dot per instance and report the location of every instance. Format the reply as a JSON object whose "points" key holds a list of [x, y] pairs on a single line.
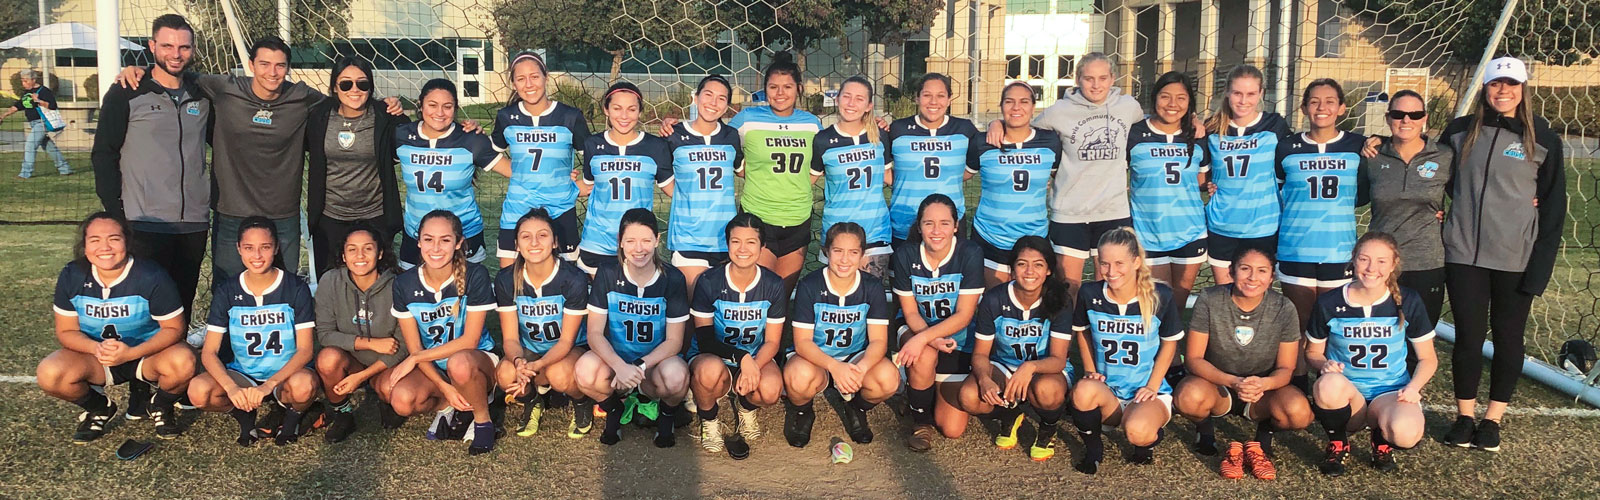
{"points": [[1428, 170], [192, 108], [262, 117], [1515, 151], [1244, 334], [348, 139]]}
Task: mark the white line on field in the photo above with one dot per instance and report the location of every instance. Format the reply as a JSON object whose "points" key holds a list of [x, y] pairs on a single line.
{"points": [[17, 379]]}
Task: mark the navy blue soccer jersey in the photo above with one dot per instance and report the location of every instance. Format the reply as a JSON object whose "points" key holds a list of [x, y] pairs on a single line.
{"points": [[127, 309], [1243, 166], [1164, 174], [542, 150], [541, 307], [1371, 341], [439, 313], [1016, 188], [439, 174], [928, 161], [838, 319], [260, 329], [1321, 183], [852, 172], [703, 199], [740, 317], [1019, 332], [637, 314], [938, 286], [1123, 346], [624, 177]]}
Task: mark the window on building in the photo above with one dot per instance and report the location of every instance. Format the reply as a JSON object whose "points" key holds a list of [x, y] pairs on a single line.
{"points": [[1074, 6], [1062, 91], [1028, 6], [1036, 66], [1013, 67], [914, 62], [1065, 67], [1330, 29]]}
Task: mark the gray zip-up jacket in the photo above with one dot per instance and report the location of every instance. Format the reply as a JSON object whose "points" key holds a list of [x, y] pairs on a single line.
{"points": [[1092, 183], [1407, 198], [1493, 222], [150, 156], [341, 307]]}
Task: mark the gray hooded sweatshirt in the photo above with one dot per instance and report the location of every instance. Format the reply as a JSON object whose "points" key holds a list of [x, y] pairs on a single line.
{"points": [[1092, 183], [345, 312]]}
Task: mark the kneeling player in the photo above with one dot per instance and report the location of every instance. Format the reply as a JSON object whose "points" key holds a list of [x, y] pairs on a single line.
{"points": [[358, 336], [1023, 333], [118, 320], [1244, 368], [841, 336], [542, 302], [1360, 336], [265, 315]]}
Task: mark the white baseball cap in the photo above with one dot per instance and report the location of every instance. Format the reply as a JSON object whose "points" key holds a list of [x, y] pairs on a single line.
{"points": [[1506, 67]]}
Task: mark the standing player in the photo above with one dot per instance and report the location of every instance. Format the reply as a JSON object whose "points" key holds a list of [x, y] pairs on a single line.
{"points": [[438, 163], [1168, 167], [537, 138], [622, 167], [1128, 329], [265, 316], [841, 337], [441, 306], [1016, 183], [1361, 334], [358, 337], [705, 154], [738, 316], [1243, 143], [1408, 178], [937, 282], [542, 300], [1023, 336], [849, 155], [118, 320], [777, 149], [1242, 347], [637, 308], [930, 151]]}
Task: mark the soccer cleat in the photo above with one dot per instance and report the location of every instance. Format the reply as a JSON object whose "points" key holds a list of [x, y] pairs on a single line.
{"points": [[797, 426], [531, 412], [749, 426], [1233, 464], [1487, 437], [166, 420], [582, 420], [1256, 460], [1333, 461], [1142, 456], [1383, 458], [442, 422], [665, 439], [855, 425], [268, 426], [93, 425], [1460, 432], [1206, 444], [1087, 466], [344, 424], [388, 417], [711, 435], [1008, 436], [138, 401], [921, 438], [1042, 453]]}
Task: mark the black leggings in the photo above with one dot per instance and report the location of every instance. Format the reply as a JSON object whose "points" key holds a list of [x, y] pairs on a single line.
{"points": [[1481, 299], [1429, 283], [179, 255]]}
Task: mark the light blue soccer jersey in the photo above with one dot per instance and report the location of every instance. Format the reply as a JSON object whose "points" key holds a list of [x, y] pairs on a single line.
{"points": [[1164, 173], [127, 309], [260, 329], [1016, 188], [1019, 333], [438, 174], [839, 320], [1243, 161], [1320, 188], [542, 308], [1124, 348], [1370, 340], [937, 287], [927, 161], [624, 177], [852, 172], [637, 314], [541, 149], [441, 315], [703, 199]]}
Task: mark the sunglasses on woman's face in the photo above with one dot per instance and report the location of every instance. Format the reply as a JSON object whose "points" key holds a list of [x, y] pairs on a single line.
{"points": [[1413, 115], [364, 85]]}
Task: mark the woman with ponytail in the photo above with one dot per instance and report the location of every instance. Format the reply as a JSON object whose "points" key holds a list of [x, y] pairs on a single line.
{"points": [[622, 168], [850, 157], [537, 139], [1016, 183], [542, 300], [439, 162]]}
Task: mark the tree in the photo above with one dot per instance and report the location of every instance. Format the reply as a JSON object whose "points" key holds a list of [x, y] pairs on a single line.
{"points": [[800, 24], [609, 25], [312, 24]]}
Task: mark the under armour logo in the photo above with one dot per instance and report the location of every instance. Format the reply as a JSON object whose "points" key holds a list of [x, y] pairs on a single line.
{"points": [[88, 285], [1095, 301], [417, 293], [1339, 309], [913, 266], [155, 107], [683, 137], [619, 282], [412, 137], [1502, 66], [783, 127], [238, 297], [833, 140]]}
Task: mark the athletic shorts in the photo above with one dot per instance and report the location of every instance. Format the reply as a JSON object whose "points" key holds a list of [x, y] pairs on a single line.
{"points": [[444, 364], [1314, 275], [1008, 372], [242, 380], [1235, 405], [1192, 253], [995, 258], [1221, 250], [410, 255], [784, 240], [691, 258], [128, 371], [848, 358], [590, 262], [1165, 399], [1078, 240], [566, 227], [952, 366]]}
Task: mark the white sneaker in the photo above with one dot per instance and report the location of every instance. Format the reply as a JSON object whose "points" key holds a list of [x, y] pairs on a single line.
{"points": [[711, 435], [749, 426]]}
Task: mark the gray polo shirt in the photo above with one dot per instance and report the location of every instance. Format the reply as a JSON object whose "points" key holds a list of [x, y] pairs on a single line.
{"points": [[258, 146]]}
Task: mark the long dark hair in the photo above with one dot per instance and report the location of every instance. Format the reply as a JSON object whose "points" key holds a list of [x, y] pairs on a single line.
{"points": [[386, 258], [357, 63], [1185, 123], [83, 234], [537, 214], [842, 229], [915, 233], [263, 223], [1054, 294], [744, 220], [1524, 114]]}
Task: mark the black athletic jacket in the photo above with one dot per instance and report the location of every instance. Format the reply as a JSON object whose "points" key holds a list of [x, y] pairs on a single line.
{"points": [[317, 174], [1493, 223]]}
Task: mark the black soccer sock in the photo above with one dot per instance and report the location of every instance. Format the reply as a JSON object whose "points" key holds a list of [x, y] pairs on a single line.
{"points": [[291, 421], [1005, 414], [1335, 422], [1088, 423], [667, 419], [612, 433], [1302, 382], [921, 403], [1206, 428], [1378, 439], [482, 435], [93, 402], [861, 404], [1049, 420], [707, 413], [163, 399], [744, 402], [138, 390], [246, 419], [1264, 430]]}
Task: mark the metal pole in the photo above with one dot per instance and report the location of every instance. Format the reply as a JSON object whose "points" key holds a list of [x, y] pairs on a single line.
{"points": [[1285, 27], [107, 42], [1537, 370], [45, 60], [237, 35], [283, 20], [972, 60], [1473, 86]]}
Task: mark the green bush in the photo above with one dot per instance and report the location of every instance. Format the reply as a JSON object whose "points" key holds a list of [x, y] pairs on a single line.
{"points": [[575, 95], [1570, 110]]}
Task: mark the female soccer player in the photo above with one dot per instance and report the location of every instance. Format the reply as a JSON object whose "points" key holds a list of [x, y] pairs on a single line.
{"points": [[542, 300], [1243, 210], [437, 166], [841, 338], [441, 306], [1361, 334], [537, 139], [1408, 178], [931, 153], [777, 148], [937, 282], [849, 155], [118, 320], [622, 166], [350, 176], [1016, 183], [1242, 347], [637, 310], [1498, 250], [1322, 184], [1128, 329], [1023, 333], [738, 316], [266, 316], [1168, 165], [358, 335], [705, 154]]}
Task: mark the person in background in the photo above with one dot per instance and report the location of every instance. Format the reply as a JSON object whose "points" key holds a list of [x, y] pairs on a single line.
{"points": [[34, 97]]}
